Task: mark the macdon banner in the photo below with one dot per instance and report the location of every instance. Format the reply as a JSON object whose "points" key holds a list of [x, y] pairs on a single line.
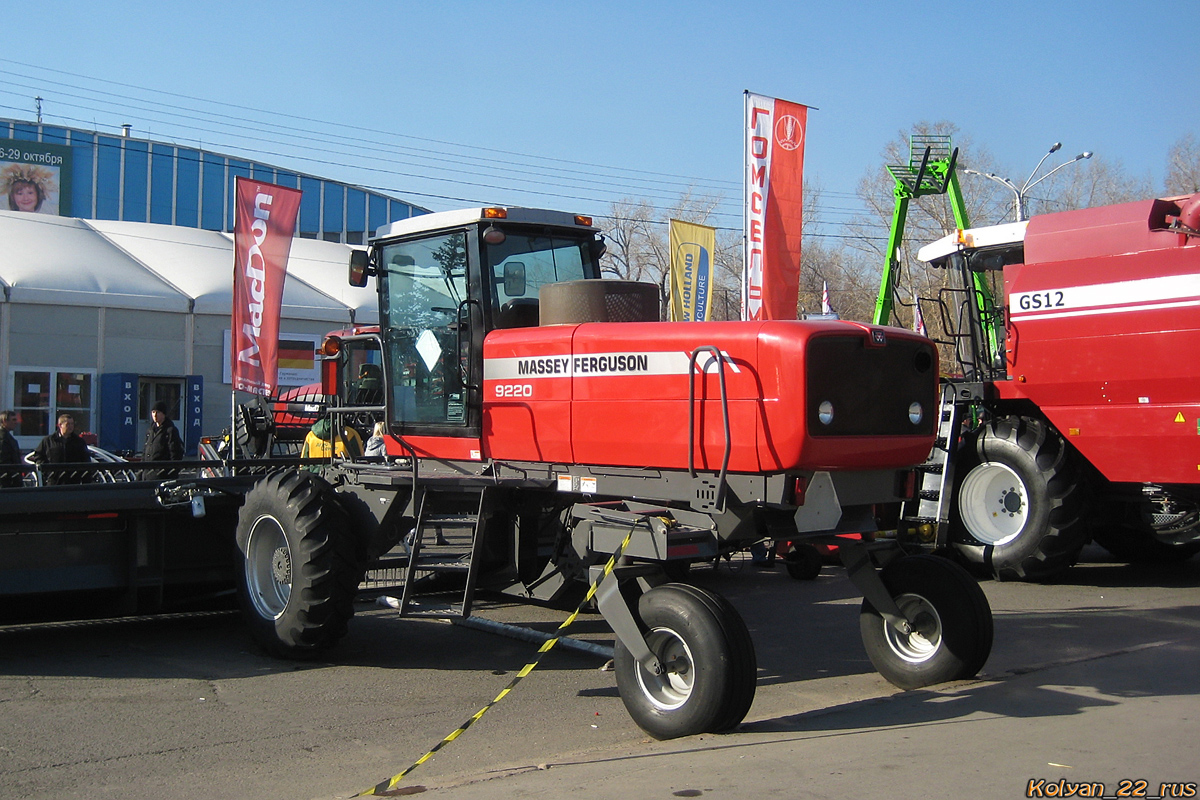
{"points": [[262, 239], [774, 197]]}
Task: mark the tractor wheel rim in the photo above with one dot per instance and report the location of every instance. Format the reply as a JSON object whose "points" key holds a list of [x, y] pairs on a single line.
{"points": [[673, 687], [924, 639], [994, 503], [268, 567]]}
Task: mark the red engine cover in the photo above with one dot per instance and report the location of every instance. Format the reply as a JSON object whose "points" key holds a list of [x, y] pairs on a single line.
{"points": [[617, 394]]}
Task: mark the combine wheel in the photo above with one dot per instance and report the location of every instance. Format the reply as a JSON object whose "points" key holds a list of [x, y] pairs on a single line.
{"points": [[710, 670], [951, 622], [299, 574], [1018, 507]]}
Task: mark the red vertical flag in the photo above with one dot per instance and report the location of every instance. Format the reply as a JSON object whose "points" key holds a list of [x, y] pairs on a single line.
{"points": [[262, 238], [774, 197]]}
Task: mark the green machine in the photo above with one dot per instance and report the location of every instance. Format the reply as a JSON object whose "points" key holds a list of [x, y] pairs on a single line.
{"points": [[929, 171]]}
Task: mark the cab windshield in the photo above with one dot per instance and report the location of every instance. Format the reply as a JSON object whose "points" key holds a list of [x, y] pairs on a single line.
{"points": [[428, 304]]}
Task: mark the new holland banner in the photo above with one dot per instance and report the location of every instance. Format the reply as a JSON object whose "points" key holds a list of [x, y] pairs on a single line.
{"points": [[692, 248], [262, 239], [773, 202]]}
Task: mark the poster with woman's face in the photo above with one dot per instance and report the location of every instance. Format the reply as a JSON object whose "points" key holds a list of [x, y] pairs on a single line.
{"points": [[32, 176]]}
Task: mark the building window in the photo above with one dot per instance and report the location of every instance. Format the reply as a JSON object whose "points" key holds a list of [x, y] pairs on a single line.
{"points": [[152, 390], [332, 222], [310, 207], [356, 212], [82, 151], [187, 188], [108, 178], [54, 135], [40, 395], [378, 216], [137, 172], [162, 184], [237, 169], [212, 211]]}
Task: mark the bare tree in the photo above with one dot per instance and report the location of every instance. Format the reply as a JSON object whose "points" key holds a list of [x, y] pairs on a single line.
{"points": [[638, 240], [1096, 182], [629, 231], [1183, 167]]}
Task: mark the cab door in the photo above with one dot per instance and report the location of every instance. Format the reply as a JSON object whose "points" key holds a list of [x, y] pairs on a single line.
{"points": [[431, 321]]}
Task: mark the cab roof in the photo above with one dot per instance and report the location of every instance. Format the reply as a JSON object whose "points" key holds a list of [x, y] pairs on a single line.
{"points": [[467, 216], [973, 239]]}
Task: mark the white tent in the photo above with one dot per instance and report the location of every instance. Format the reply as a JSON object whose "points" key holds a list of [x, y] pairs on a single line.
{"points": [[95, 298]]}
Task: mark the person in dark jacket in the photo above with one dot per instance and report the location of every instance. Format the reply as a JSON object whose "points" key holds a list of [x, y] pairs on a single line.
{"points": [[10, 451], [64, 446], [162, 442]]}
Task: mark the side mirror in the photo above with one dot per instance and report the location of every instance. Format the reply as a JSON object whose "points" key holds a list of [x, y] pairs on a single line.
{"points": [[514, 279], [358, 268]]}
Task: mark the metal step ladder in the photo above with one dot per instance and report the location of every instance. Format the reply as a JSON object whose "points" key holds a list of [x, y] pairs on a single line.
{"points": [[447, 539], [935, 478]]}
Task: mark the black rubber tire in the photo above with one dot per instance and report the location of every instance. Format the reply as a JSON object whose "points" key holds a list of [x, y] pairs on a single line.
{"points": [[954, 626], [803, 562], [1020, 473], [703, 627], [300, 567]]}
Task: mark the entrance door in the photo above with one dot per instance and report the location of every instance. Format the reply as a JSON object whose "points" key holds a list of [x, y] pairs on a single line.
{"points": [[153, 390]]}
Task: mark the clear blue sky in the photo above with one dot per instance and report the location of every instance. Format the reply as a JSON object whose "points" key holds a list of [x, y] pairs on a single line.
{"points": [[573, 104]]}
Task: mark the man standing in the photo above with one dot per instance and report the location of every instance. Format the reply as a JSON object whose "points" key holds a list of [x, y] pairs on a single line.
{"points": [[162, 442], [10, 451], [64, 446]]}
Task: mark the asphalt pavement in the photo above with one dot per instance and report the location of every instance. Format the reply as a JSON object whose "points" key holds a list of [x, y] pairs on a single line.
{"points": [[1090, 680]]}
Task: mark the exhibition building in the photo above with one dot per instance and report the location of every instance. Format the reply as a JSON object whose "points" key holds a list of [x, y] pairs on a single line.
{"points": [[116, 265]]}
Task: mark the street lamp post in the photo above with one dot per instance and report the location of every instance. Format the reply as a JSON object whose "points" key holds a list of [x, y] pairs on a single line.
{"points": [[1023, 192]]}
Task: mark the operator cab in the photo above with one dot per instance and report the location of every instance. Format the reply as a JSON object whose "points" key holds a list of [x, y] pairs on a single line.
{"points": [[973, 321], [445, 281]]}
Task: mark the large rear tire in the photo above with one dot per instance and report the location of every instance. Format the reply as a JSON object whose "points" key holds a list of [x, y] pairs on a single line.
{"points": [[711, 673], [1019, 501], [951, 636], [300, 570]]}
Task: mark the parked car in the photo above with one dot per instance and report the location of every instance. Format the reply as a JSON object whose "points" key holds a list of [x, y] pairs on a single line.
{"points": [[99, 456]]}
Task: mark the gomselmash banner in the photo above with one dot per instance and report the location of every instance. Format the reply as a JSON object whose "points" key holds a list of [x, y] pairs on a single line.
{"points": [[262, 239], [774, 199], [692, 248]]}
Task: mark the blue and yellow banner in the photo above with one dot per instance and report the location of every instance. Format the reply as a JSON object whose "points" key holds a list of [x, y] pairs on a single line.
{"points": [[692, 248]]}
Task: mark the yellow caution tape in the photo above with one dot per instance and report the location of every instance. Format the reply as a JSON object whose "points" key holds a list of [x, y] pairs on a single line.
{"points": [[387, 788]]}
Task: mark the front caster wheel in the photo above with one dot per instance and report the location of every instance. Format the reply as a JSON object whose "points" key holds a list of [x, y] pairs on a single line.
{"points": [[709, 673], [299, 570], [951, 624]]}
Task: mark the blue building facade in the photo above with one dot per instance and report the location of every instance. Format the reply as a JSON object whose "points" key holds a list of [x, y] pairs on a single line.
{"points": [[139, 180]]}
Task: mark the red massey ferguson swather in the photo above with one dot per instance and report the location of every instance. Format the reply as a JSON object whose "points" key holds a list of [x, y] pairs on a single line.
{"points": [[541, 420]]}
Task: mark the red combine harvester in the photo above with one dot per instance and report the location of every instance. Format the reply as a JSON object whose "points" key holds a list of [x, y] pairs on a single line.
{"points": [[541, 420], [1079, 411]]}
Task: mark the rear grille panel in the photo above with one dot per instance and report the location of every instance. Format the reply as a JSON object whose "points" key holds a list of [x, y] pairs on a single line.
{"points": [[870, 388]]}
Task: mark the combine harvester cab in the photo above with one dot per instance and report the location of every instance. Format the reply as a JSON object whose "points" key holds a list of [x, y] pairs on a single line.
{"points": [[547, 435]]}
